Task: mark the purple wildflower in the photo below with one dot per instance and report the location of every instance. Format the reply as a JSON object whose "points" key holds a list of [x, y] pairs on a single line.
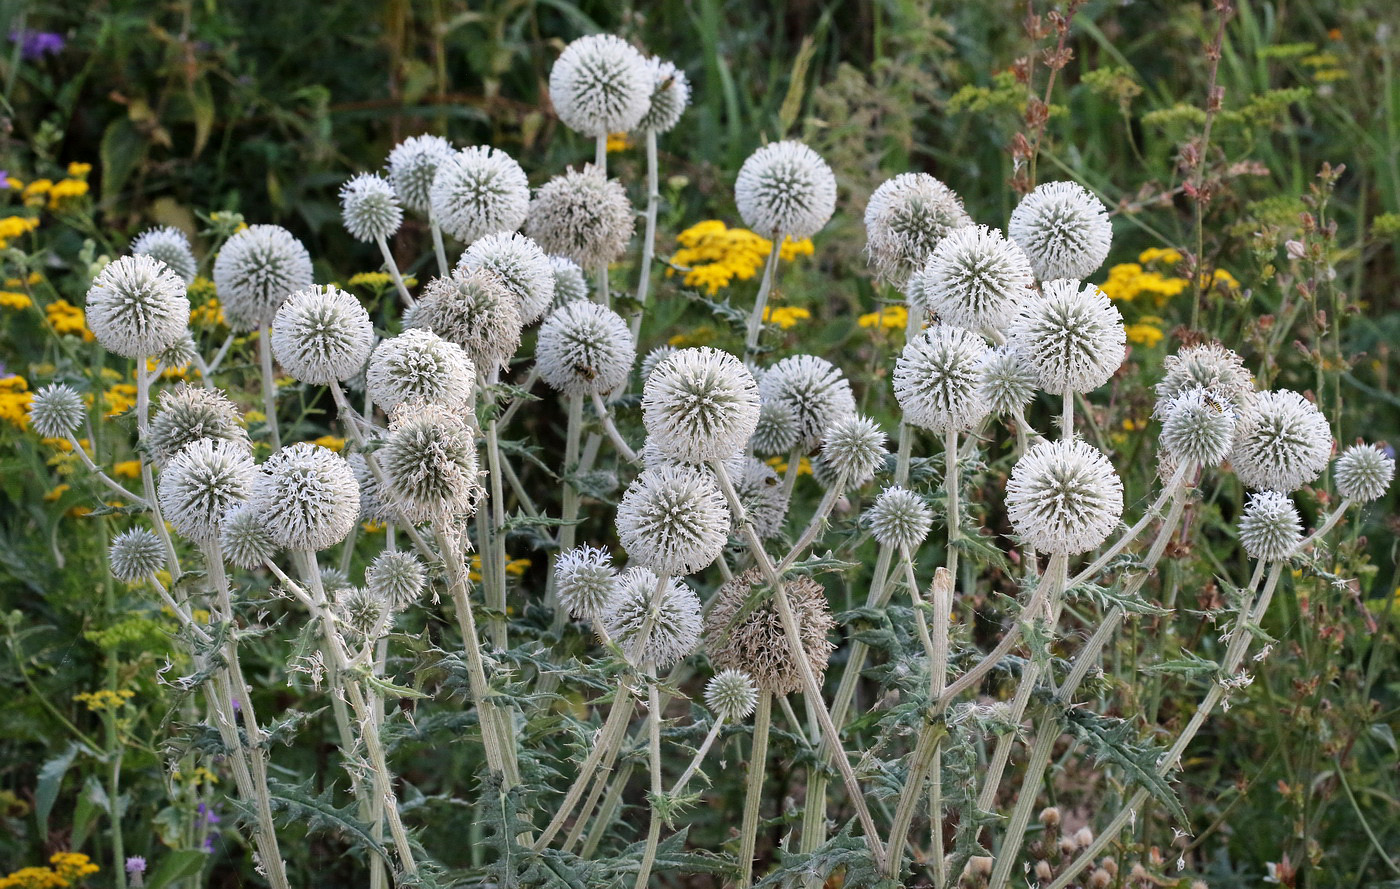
{"points": [[37, 44]]}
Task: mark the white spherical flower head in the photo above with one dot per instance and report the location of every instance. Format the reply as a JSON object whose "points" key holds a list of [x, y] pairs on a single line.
{"points": [[1282, 443], [1006, 381], [1198, 426], [56, 411], [1270, 529], [762, 495], [188, 413], [906, 218], [136, 555], [202, 483], [731, 695], [307, 496], [975, 278], [670, 94], [777, 429], [255, 272], [474, 309], [852, 451], [1064, 230], [412, 166], [814, 390], [179, 354], [137, 307], [1210, 366], [582, 215], [899, 519], [652, 360], [376, 504], [370, 208], [171, 246], [675, 624], [584, 348], [429, 463], [396, 577], [785, 188], [600, 84], [569, 283], [523, 267], [1364, 472], [244, 537], [322, 335], [936, 376], [700, 405], [673, 519], [1064, 497], [419, 365], [479, 191], [1073, 336], [585, 581]]}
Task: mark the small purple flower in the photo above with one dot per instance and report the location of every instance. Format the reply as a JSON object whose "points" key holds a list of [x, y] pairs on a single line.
{"points": [[136, 871], [37, 44], [4, 179]]}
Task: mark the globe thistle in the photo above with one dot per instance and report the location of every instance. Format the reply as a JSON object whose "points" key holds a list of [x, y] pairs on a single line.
{"points": [[584, 349], [1005, 381], [523, 267], [137, 306], [670, 94], [169, 245], [1073, 337], [675, 628], [479, 191], [361, 615], [429, 463], [814, 390], [244, 538], [1364, 472], [741, 635], [201, 483], [370, 208], [899, 519], [731, 695], [376, 505], [762, 494], [600, 84], [975, 278], [255, 272], [1064, 230], [582, 215], [852, 451], [307, 496], [136, 555], [1282, 443], [569, 282], [1210, 366], [187, 414], [179, 354], [419, 365], [652, 360], [700, 405], [585, 581], [1198, 426], [1270, 529], [322, 335], [936, 377], [785, 189], [396, 577], [56, 411], [412, 166], [1064, 497], [673, 519], [333, 580], [474, 309], [906, 218]]}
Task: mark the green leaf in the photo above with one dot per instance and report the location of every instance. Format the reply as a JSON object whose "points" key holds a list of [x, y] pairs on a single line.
{"points": [[123, 149], [1115, 741], [179, 864], [50, 780]]}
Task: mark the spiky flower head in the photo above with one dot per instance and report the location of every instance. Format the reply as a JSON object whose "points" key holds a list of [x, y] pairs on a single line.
{"points": [[1006, 381], [1064, 497], [56, 411], [675, 627], [255, 272], [700, 405], [137, 306], [777, 429], [396, 577], [785, 188], [376, 504], [179, 354], [1064, 230], [731, 695], [600, 84], [322, 335], [582, 215], [429, 463], [307, 496], [419, 365], [1198, 426], [135, 555], [585, 581], [975, 278], [1364, 472], [479, 191], [749, 636], [814, 390], [360, 614], [171, 246], [188, 413], [936, 376], [1211, 366], [1073, 336], [899, 519], [1282, 443], [906, 217], [652, 360], [569, 283], [762, 494], [244, 537], [1270, 528], [673, 519], [474, 309], [413, 164], [201, 483], [523, 267], [370, 208], [670, 94], [852, 451], [585, 348]]}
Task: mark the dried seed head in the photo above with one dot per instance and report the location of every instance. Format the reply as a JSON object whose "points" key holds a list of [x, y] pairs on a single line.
{"points": [[582, 215], [748, 636]]}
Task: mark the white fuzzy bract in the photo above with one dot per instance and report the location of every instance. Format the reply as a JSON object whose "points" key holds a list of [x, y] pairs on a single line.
{"points": [[479, 191], [785, 188], [936, 377], [1064, 230], [56, 411], [585, 581], [1364, 472], [201, 483], [136, 555], [1270, 528], [905, 219], [1073, 336], [899, 519], [670, 94], [1006, 381], [700, 405], [322, 335], [370, 208], [731, 695], [474, 309], [137, 307], [419, 365], [255, 272], [1064, 497], [814, 390], [188, 413], [1282, 443], [600, 84], [675, 622], [171, 246], [429, 464], [975, 278], [412, 165], [523, 267], [673, 519], [585, 348], [852, 452], [582, 215], [307, 497]]}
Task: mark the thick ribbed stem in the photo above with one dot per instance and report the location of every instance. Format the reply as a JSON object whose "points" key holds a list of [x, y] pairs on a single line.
{"points": [[269, 386], [438, 250], [699, 757], [654, 760], [568, 510], [753, 794], [649, 235], [393, 268], [495, 549], [609, 739], [755, 328]]}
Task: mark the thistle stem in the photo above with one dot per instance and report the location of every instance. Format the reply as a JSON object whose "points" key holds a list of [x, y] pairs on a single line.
{"points": [[438, 249], [269, 386], [699, 757], [393, 268], [654, 760], [609, 738], [649, 235], [753, 794], [755, 328], [609, 427]]}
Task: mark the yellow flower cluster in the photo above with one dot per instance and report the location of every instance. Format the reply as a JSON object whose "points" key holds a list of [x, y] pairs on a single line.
{"points": [[618, 142], [379, 282], [55, 194], [12, 227], [785, 317], [196, 776], [119, 399], [780, 466], [65, 869], [14, 400], [331, 442], [12, 298], [125, 468], [712, 255], [891, 317], [1127, 281], [514, 568], [66, 318], [1146, 331], [106, 699]]}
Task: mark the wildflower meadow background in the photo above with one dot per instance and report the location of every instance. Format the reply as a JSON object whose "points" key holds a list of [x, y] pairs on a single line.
{"points": [[327, 701]]}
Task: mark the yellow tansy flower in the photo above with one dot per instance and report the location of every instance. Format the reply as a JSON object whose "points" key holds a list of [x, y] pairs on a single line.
{"points": [[618, 142], [127, 469], [67, 319], [78, 169], [12, 299], [888, 318], [331, 442], [14, 401], [65, 190], [785, 317]]}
